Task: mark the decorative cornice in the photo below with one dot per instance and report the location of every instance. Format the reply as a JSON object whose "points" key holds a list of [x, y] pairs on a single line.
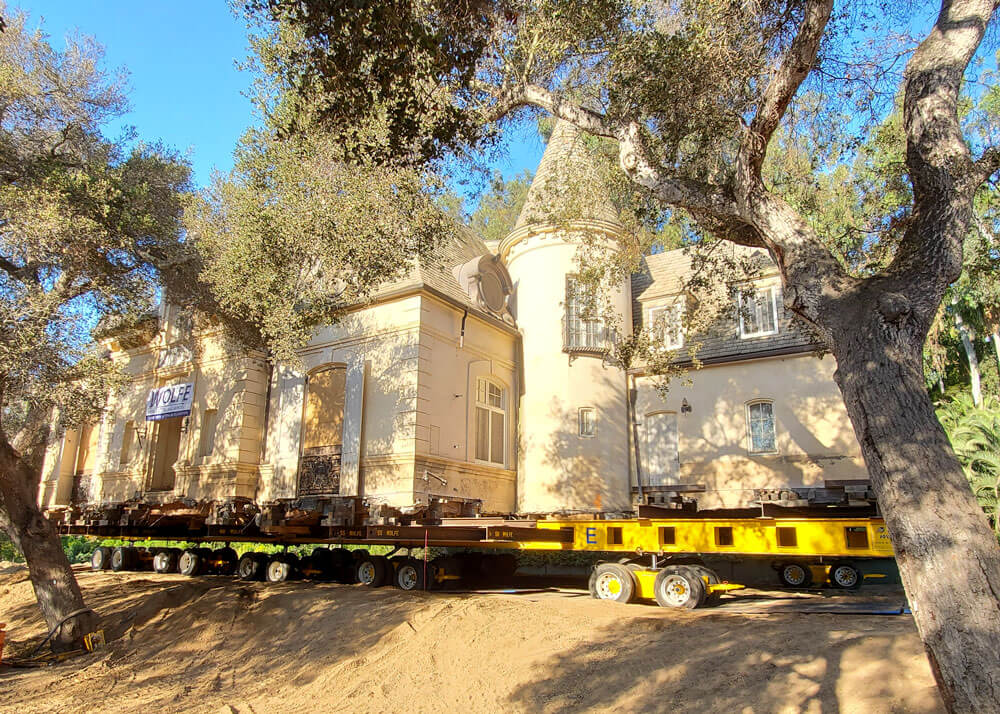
{"points": [[521, 234]]}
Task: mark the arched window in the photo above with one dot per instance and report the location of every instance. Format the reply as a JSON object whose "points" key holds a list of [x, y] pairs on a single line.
{"points": [[322, 432], [760, 427], [491, 422], [323, 422]]}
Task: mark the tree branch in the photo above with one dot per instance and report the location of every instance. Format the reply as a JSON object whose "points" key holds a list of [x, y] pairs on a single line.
{"points": [[509, 98], [18, 272], [686, 193], [985, 166], [785, 82], [938, 159]]}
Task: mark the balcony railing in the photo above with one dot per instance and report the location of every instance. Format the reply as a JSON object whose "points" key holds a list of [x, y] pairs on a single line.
{"points": [[589, 336], [319, 473]]}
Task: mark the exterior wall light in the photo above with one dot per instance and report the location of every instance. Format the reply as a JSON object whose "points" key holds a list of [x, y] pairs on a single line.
{"points": [[685, 407]]}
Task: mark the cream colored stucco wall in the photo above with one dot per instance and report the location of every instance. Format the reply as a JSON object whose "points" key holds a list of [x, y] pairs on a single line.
{"points": [[559, 470], [380, 347], [445, 437], [815, 439], [231, 382], [415, 394]]}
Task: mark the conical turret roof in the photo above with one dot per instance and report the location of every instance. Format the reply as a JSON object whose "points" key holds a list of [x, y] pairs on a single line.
{"points": [[567, 185]]}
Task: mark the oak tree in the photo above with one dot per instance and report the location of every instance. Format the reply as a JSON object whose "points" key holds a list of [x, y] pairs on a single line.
{"points": [[88, 227], [692, 94]]}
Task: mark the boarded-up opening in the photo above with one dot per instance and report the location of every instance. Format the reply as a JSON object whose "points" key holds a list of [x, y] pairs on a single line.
{"points": [[723, 535], [166, 448], [209, 426], [128, 446], [667, 535], [323, 425], [86, 454], [787, 537], [323, 432], [857, 536], [615, 535], [86, 458], [661, 455]]}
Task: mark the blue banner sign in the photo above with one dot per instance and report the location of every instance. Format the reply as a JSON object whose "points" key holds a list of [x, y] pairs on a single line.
{"points": [[169, 402]]}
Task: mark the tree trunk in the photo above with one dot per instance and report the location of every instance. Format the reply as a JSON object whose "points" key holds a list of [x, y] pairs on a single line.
{"points": [[973, 359], [995, 339], [56, 589], [947, 553]]}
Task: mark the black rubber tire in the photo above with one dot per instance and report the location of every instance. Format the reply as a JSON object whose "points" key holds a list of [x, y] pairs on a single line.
{"points": [[409, 575], [706, 573], [679, 586], [165, 561], [374, 571], [845, 576], [100, 559], [612, 581], [795, 575], [322, 560], [123, 558], [342, 565], [281, 568], [225, 560], [250, 567], [191, 562]]}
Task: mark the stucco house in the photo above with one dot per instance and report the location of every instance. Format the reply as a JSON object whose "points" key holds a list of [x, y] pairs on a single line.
{"points": [[474, 386]]}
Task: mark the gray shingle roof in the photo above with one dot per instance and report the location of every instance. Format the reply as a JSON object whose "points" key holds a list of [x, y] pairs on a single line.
{"points": [[554, 187], [435, 271], [667, 273]]}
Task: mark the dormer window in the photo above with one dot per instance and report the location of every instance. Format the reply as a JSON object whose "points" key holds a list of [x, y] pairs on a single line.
{"points": [[758, 311], [666, 324], [583, 333]]}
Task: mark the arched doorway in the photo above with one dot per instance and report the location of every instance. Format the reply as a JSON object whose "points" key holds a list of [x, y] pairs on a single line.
{"points": [[322, 432]]}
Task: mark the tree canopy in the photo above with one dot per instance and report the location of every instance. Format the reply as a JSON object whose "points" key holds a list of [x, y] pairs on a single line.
{"points": [[695, 100]]}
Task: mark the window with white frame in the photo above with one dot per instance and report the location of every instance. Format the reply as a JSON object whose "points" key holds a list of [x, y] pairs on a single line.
{"points": [[759, 311], [583, 332], [666, 323], [491, 422], [588, 421], [760, 427]]}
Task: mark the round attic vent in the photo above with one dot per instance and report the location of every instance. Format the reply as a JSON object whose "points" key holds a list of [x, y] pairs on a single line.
{"points": [[486, 282], [491, 291]]}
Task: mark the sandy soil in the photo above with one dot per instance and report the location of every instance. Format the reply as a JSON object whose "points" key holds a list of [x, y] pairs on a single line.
{"points": [[215, 645]]}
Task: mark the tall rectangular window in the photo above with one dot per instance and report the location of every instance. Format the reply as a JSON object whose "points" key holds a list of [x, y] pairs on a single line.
{"points": [[666, 324], [128, 445], [209, 425], [759, 312], [491, 422], [588, 421], [760, 427], [583, 331]]}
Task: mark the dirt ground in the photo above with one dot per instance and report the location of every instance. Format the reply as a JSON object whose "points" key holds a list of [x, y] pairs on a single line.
{"points": [[220, 646]]}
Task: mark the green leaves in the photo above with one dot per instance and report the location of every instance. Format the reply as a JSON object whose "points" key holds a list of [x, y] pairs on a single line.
{"points": [[87, 227], [296, 235], [975, 436]]}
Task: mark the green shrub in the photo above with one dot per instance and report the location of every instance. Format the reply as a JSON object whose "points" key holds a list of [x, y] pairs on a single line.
{"points": [[7, 550], [975, 435]]}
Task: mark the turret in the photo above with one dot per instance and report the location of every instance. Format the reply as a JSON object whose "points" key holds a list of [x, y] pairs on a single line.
{"points": [[573, 439]]}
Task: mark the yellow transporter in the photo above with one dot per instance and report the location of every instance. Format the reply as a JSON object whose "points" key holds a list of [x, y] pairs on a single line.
{"points": [[662, 559], [801, 548]]}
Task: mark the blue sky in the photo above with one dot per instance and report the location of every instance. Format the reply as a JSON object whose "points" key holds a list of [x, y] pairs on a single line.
{"points": [[181, 58]]}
